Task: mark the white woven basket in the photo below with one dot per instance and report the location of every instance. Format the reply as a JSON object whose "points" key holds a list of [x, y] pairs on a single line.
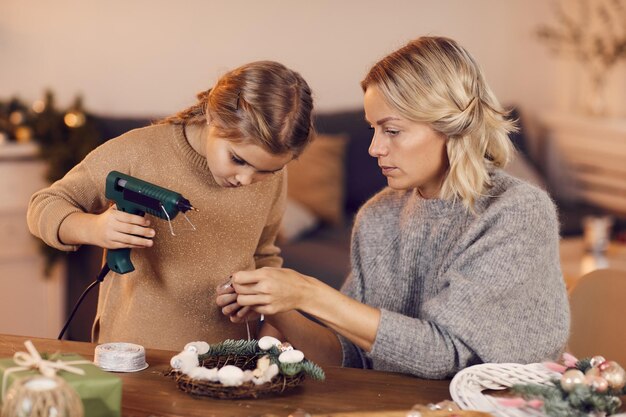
{"points": [[467, 386]]}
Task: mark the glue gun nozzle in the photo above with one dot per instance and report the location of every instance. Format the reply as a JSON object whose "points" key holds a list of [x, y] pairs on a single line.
{"points": [[184, 205]]}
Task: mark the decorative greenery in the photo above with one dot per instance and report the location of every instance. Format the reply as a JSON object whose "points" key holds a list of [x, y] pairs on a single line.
{"points": [[251, 348], [65, 138], [232, 347], [581, 401], [311, 369]]}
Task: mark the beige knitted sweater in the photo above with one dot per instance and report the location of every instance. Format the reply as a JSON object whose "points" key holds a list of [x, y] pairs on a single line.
{"points": [[169, 300]]}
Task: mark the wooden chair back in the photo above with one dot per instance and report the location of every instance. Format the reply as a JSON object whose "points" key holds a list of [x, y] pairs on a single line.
{"points": [[598, 308]]}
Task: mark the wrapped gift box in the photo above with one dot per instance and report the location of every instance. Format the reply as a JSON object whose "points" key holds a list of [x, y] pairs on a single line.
{"points": [[100, 392]]}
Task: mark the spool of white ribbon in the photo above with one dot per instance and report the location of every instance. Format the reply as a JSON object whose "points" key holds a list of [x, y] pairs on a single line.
{"points": [[120, 357]]}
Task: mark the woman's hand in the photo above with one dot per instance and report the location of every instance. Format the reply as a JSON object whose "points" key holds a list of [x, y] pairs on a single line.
{"points": [[227, 300], [112, 229], [283, 294], [270, 290]]}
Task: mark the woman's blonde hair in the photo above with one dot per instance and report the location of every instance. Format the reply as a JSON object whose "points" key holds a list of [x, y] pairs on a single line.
{"points": [[262, 102], [434, 80]]}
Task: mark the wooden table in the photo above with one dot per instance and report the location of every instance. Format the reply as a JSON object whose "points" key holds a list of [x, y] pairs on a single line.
{"points": [[150, 393]]}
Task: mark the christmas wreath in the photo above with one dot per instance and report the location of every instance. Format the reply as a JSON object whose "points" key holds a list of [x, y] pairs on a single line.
{"points": [[241, 368], [590, 386], [573, 388]]}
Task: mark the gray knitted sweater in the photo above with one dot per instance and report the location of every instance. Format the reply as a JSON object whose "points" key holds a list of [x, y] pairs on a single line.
{"points": [[455, 288]]}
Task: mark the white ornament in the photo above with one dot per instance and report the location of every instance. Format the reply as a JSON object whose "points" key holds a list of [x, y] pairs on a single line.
{"points": [[185, 361], [291, 356], [266, 342], [571, 378], [259, 381], [267, 376], [614, 374], [203, 373], [230, 376], [261, 366], [247, 375], [285, 346], [596, 360], [198, 347], [271, 372]]}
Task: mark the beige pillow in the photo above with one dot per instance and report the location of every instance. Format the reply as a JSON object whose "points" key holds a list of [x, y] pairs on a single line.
{"points": [[296, 222], [316, 178]]}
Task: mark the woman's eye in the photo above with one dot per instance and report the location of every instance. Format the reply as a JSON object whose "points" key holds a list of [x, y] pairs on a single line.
{"points": [[392, 132], [237, 160]]}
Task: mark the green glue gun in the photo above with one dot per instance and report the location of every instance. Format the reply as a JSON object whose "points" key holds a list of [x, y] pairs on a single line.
{"points": [[135, 196]]}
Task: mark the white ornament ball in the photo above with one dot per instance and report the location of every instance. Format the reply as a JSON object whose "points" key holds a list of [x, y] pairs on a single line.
{"points": [[291, 356], [247, 375], [198, 347], [258, 381], [261, 366], [267, 376], [266, 342], [185, 361], [596, 360], [39, 395], [571, 378], [204, 374], [614, 374], [271, 372], [230, 376], [285, 346], [597, 383], [591, 372]]}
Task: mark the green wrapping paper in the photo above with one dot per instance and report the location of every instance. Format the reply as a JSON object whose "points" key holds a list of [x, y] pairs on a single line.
{"points": [[101, 392]]}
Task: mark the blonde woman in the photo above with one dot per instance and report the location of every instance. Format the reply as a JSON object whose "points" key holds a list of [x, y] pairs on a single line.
{"points": [[225, 154], [455, 263]]}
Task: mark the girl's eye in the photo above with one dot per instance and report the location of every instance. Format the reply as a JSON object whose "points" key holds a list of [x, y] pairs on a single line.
{"points": [[392, 132], [237, 160]]}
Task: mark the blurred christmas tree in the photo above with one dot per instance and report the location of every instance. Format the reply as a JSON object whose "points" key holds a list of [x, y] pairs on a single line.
{"points": [[65, 138]]}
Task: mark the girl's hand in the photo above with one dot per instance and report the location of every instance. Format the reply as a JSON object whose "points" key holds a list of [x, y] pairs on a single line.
{"points": [[116, 229], [227, 300], [271, 290]]}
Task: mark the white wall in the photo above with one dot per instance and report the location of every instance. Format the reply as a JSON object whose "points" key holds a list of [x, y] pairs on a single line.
{"points": [[150, 57]]}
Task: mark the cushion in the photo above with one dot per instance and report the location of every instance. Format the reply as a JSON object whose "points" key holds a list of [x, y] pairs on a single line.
{"points": [[316, 178], [296, 222], [363, 178]]}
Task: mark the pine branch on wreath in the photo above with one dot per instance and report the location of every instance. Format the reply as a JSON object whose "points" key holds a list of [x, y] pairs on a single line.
{"points": [[251, 348], [232, 347]]}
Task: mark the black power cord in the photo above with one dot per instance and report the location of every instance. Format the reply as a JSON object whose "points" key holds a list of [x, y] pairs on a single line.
{"points": [[103, 272]]}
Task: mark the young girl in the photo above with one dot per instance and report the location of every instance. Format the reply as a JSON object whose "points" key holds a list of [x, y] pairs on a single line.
{"points": [[225, 154], [455, 263]]}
